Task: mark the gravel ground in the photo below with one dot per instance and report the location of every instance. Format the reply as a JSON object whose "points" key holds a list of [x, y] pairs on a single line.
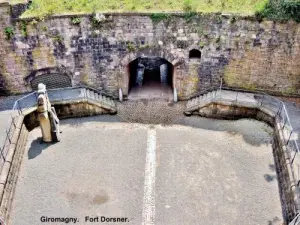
{"points": [[206, 172]]}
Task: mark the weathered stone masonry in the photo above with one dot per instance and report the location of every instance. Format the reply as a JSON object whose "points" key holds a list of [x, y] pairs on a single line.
{"points": [[245, 52]]}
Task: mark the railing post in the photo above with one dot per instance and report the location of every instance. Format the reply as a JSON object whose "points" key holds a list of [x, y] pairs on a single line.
{"points": [[262, 101], [13, 121], [35, 95], [284, 122], [289, 138], [7, 135], [20, 109], [2, 152], [280, 108]]}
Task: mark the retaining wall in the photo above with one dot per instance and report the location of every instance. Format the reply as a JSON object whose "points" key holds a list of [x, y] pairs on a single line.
{"points": [[289, 192], [10, 171], [247, 52]]}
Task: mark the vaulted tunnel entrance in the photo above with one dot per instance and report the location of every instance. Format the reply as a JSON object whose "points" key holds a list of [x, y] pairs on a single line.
{"points": [[150, 77]]}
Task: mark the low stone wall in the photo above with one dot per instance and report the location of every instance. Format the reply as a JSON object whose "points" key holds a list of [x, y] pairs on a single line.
{"points": [[285, 176], [25, 123], [10, 171], [69, 110]]}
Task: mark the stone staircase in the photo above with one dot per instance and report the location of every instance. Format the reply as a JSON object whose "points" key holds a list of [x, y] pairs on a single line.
{"points": [[226, 96], [82, 94], [200, 101], [105, 101]]}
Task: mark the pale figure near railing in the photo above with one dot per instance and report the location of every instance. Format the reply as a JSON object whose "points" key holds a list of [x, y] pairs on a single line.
{"points": [[47, 117]]}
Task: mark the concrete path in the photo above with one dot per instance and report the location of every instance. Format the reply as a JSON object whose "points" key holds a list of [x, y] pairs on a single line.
{"points": [[213, 172]]}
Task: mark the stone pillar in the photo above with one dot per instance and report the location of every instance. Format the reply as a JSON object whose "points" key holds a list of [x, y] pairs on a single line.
{"points": [[189, 80], [47, 118], [140, 74], [164, 73], [43, 117]]}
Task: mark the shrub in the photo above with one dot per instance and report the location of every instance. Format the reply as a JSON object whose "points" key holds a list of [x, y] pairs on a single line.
{"points": [[157, 17], [9, 32], [76, 21], [281, 10]]}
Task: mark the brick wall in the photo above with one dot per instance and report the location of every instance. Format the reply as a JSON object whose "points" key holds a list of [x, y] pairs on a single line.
{"points": [[246, 53]]}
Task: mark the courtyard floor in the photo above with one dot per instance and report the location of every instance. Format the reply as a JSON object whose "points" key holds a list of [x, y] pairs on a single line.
{"points": [[199, 171]]}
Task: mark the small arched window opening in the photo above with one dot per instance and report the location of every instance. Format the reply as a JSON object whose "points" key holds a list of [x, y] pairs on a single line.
{"points": [[195, 54]]}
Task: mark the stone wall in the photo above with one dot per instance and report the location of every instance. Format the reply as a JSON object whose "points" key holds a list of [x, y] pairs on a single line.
{"points": [[246, 53]]}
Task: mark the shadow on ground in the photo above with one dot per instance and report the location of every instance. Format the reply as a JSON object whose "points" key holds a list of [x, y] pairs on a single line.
{"points": [[253, 132], [37, 147]]}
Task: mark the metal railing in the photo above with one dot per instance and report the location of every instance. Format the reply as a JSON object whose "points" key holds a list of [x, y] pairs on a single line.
{"points": [[255, 99], [29, 102], [266, 102]]}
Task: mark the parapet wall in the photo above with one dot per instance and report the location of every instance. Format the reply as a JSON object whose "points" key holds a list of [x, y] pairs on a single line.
{"points": [[10, 170], [246, 52], [288, 190]]}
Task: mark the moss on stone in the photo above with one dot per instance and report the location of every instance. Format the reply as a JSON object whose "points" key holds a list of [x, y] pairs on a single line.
{"points": [[44, 56], [84, 79], [289, 90]]}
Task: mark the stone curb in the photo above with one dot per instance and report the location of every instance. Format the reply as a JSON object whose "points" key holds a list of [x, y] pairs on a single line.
{"points": [[9, 157]]}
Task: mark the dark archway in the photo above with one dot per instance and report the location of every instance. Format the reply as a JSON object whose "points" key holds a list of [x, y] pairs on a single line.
{"points": [[195, 54], [51, 77], [150, 76], [51, 81]]}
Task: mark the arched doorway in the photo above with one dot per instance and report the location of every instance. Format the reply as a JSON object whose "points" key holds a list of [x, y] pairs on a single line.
{"points": [[150, 77]]}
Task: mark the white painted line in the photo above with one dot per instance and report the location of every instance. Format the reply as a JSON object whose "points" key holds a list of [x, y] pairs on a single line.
{"points": [[149, 185]]}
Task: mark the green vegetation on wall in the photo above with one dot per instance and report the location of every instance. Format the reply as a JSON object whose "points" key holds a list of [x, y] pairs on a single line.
{"points": [[280, 10], [76, 20], [157, 17], [23, 28], [9, 32]]}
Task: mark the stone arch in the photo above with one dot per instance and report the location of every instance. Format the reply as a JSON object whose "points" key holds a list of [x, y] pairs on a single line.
{"points": [[153, 52], [53, 77]]}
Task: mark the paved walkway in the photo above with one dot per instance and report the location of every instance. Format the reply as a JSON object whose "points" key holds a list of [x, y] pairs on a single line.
{"points": [[7, 103], [202, 172]]}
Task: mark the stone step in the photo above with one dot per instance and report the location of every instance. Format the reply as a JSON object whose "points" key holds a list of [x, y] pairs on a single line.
{"points": [[92, 94], [88, 93]]}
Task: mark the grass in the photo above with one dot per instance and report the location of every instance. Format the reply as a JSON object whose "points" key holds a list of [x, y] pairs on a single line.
{"points": [[41, 8]]}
